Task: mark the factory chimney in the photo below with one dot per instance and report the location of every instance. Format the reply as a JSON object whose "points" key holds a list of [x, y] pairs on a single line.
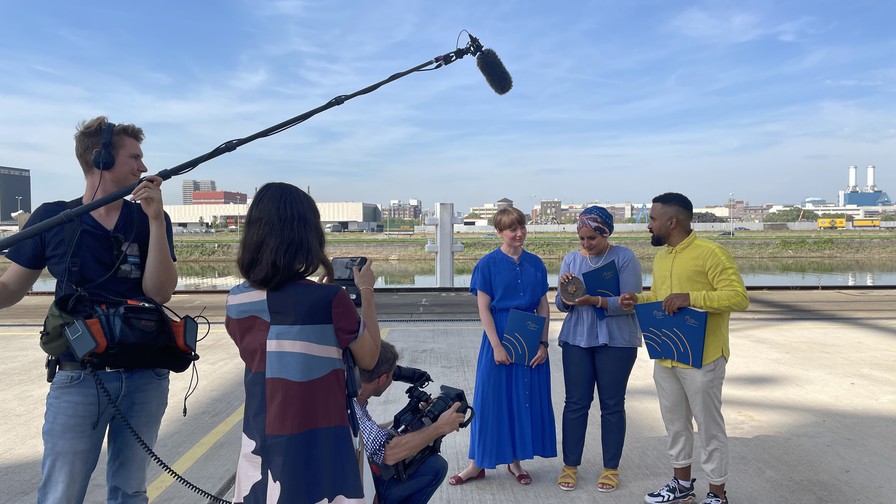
{"points": [[870, 187], [853, 186]]}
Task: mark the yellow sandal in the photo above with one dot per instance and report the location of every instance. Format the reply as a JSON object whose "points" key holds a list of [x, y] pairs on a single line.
{"points": [[609, 477], [568, 476]]}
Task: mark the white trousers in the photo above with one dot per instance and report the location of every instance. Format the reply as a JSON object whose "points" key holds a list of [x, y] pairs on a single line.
{"points": [[689, 393]]}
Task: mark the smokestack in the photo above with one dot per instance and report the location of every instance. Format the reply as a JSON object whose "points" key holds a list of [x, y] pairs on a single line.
{"points": [[853, 186], [870, 187]]}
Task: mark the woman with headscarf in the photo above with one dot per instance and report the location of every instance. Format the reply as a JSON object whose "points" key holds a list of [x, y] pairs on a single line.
{"points": [[599, 349]]}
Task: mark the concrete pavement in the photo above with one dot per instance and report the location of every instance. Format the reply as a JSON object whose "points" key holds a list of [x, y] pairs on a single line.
{"points": [[810, 402]]}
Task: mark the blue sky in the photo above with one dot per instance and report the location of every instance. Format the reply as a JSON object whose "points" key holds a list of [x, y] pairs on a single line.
{"points": [[612, 101]]}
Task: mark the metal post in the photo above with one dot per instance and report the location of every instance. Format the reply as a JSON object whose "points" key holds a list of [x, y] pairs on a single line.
{"points": [[237, 218], [731, 211], [444, 248]]}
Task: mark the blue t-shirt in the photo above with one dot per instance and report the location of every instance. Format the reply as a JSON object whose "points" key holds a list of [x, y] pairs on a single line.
{"points": [[110, 263]]}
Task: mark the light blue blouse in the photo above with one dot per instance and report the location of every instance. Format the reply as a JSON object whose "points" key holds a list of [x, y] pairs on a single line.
{"points": [[581, 327]]}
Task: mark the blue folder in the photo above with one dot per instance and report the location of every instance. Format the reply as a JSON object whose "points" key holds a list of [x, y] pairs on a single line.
{"points": [[522, 335], [679, 337], [602, 281]]}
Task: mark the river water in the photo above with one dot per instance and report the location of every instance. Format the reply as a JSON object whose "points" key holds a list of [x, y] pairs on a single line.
{"points": [[421, 274]]}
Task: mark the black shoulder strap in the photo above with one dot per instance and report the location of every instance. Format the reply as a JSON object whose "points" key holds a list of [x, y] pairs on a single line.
{"points": [[141, 232], [72, 232], [71, 244]]}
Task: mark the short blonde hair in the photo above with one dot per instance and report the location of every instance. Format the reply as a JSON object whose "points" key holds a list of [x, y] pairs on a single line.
{"points": [[89, 139], [508, 217]]}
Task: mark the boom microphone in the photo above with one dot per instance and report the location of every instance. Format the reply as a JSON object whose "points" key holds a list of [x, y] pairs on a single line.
{"points": [[494, 72], [486, 59]]}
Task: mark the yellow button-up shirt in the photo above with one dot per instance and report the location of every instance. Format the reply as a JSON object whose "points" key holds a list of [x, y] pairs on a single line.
{"points": [[707, 272]]}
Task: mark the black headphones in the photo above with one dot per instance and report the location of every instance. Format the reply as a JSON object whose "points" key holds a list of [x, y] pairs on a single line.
{"points": [[103, 159]]}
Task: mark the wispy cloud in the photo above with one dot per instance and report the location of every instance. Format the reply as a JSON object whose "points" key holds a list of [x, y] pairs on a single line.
{"points": [[718, 27], [772, 100]]}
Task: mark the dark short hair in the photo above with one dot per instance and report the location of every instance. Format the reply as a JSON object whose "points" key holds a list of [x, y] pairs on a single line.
{"points": [[283, 240], [676, 200], [385, 363]]}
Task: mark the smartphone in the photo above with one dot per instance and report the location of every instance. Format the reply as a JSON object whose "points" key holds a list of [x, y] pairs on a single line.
{"points": [[342, 267], [80, 339], [344, 275]]}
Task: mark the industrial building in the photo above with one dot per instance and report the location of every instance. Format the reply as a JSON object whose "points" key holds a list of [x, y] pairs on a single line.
{"points": [[218, 197], [488, 210], [868, 202], [15, 193], [191, 186], [350, 215], [398, 209], [868, 196]]}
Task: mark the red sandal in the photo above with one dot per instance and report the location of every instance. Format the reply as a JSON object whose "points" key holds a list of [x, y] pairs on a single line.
{"points": [[522, 478], [457, 479]]}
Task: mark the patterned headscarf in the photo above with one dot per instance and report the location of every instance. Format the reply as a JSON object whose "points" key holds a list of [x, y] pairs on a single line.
{"points": [[598, 219]]}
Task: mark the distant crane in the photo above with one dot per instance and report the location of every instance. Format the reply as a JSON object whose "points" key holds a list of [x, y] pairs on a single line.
{"points": [[642, 214]]}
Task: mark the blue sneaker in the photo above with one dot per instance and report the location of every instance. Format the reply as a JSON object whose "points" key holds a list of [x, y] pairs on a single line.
{"points": [[671, 493], [712, 498]]}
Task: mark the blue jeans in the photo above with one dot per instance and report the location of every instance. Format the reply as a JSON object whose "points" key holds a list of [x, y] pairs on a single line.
{"points": [[77, 418], [419, 487], [609, 368]]}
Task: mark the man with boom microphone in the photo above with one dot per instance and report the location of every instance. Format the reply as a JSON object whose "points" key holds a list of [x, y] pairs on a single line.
{"points": [[386, 448], [121, 251]]}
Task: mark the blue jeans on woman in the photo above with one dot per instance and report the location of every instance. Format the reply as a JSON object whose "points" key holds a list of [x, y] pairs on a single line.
{"points": [[609, 369], [77, 418], [418, 488]]}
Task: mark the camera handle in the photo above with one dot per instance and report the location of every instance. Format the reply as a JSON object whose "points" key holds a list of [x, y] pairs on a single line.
{"points": [[469, 419]]}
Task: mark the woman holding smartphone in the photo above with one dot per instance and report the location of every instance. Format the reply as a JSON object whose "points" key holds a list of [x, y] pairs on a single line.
{"points": [[291, 333]]}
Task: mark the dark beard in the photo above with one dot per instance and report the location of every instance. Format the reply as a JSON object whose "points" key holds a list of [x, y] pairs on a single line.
{"points": [[657, 241]]}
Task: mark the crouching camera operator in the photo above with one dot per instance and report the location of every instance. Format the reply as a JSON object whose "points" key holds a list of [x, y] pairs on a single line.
{"points": [[405, 460]]}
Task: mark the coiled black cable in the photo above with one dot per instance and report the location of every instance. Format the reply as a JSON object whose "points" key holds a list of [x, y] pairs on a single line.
{"points": [[149, 451]]}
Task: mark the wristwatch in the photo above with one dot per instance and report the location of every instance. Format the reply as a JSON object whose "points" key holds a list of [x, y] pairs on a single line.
{"points": [[543, 343]]}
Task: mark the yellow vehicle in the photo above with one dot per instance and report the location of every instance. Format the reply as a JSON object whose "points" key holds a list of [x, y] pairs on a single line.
{"points": [[866, 223], [831, 223]]}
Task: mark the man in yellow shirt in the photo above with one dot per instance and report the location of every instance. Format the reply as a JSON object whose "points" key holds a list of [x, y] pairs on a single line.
{"points": [[699, 273]]}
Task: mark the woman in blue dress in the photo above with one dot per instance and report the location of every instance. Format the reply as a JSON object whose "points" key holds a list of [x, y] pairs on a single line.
{"points": [[514, 418]]}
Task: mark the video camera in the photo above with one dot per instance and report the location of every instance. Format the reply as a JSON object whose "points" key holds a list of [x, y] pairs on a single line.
{"points": [[423, 410], [413, 417]]}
